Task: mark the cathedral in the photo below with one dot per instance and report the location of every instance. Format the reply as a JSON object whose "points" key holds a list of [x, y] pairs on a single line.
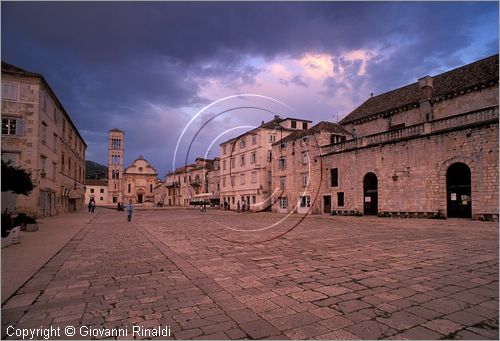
{"points": [[136, 182]]}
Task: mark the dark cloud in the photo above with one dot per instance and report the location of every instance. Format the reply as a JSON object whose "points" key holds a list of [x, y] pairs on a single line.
{"points": [[143, 66]]}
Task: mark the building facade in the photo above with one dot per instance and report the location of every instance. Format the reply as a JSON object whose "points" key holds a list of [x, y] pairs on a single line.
{"points": [[429, 149], [98, 190], [39, 136], [246, 164], [197, 182], [139, 179]]}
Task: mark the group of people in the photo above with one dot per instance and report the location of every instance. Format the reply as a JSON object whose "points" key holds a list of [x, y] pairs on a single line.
{"points": [[120, 207], [243, 206]]}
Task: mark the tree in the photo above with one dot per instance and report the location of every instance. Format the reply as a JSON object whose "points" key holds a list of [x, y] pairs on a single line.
{"points": [[16, 179]]}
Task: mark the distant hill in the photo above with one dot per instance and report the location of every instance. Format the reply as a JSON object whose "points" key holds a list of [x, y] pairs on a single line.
{"points": [[95, 171]]}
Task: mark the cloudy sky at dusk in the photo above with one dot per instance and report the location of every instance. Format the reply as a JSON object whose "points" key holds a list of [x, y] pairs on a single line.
{"points": [[149, 68]]}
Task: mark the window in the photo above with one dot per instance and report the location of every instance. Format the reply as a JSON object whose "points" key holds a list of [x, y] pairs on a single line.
{"points": [[254, 139], [283, 145], [304, 179], [305, 159], [233, 162], [9, 126], [242, 179], [242, 144], [101, 190], [129, 187], [282, 182], [340, 199], [304, 125], [184, 179], [44, 132], [334, 177], [294, 124], [233, 180], [62, 163], [269, 155], [224, 149], [336, 138], [242, 160], [54, 142], [282, 163], [253, 158], [150, 188], [44, 103], [224, 165], [54, 167], [224, 181], [254, 177], [101, 198], [10, 90], [254, 199], [91, 190], [305, 201], [55, 115], [269, 176], [272, 138], [283, 201]]}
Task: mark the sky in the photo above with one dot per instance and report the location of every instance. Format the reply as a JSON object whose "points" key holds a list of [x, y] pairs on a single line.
{"points": [[179, 78]]}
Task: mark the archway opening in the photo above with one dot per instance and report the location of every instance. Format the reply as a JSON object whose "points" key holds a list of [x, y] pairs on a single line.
{"points": [[458, 191], [370, 194]]}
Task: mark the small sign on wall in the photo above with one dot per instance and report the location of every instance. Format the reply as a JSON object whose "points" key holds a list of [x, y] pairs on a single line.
{"points": [[453, 196], [368, 199]]}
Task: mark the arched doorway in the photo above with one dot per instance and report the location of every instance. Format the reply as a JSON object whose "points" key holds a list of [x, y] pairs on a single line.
{"points": [[458, 191], [370, 194], [140, 196]]}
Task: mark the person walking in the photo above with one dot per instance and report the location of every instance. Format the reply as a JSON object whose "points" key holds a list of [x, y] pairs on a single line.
{"points": [[93, 206], [130, 209], [90, 204]]}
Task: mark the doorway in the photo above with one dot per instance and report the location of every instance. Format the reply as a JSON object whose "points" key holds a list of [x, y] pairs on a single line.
{"points": [[139, 198], [458, 191], [370, 194], [327, 204]]}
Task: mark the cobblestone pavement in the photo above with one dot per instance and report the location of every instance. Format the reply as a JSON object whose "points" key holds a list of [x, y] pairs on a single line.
{"points": [[328, 278]]}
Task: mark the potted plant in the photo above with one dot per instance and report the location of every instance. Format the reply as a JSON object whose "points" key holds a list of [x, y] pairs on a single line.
{"points": [[31, 224]]}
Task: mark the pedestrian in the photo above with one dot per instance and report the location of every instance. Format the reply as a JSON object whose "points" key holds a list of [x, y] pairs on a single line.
{"points": [[130, 209], [93, 205], [238, 206], [90, 204], [243, 205]]}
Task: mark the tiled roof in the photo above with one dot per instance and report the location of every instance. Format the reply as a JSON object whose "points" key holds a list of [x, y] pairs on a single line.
{"points": [[115, 130], [481, 73], [9, 68], [91, 182], [321, 126]]}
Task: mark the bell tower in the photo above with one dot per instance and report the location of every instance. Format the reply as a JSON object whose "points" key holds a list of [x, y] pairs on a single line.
{"points": [[115, 166]]}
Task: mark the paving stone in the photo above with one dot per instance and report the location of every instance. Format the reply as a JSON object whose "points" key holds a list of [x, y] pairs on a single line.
{"points": [[443, 326], [352, 305], [294, 321], [339, 334], [308, 331], [259, 329], [336, 322]]}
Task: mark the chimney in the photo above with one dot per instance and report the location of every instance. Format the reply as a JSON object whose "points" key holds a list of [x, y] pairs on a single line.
{"points": [[276, 117], [426, 85], [371, 94]]}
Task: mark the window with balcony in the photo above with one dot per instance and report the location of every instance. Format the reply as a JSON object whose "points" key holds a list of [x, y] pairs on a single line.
{"points": [[253, 158]]}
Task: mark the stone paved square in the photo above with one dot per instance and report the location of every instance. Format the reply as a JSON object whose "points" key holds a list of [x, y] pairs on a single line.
{"points": [[327, 278]]}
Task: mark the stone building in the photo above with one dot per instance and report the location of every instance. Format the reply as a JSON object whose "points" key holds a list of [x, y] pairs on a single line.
{"points": [[296, 168], [97, 189], [424, 150], [192, 183], [245, 174], [39, 136]]}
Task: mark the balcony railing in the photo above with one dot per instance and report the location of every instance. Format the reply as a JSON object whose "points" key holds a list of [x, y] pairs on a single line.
{"points": [[482, 115]]}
